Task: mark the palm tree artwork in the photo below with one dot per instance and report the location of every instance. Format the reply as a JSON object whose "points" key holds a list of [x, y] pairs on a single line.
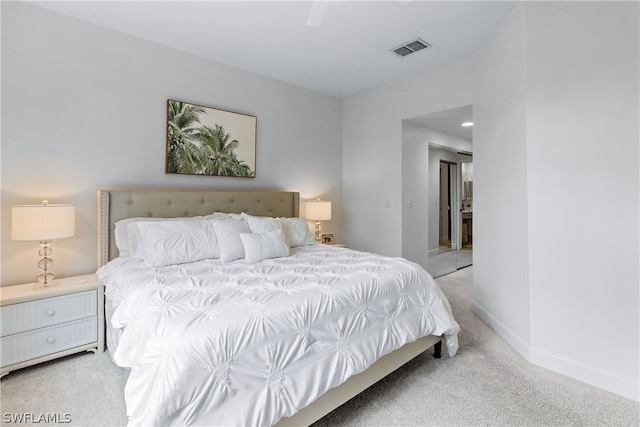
{"points": [[199, 144]]}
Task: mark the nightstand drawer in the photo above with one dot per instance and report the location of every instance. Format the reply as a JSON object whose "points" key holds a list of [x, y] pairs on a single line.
{"points": [[29, 345], [31, 315]]}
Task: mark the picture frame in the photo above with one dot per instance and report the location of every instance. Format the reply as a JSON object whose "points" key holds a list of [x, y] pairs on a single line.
{"points": [[328, 238], [209, 141]]}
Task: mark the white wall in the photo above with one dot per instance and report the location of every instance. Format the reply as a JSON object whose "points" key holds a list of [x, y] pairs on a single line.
{"points": [[556, 146], [500, 233], [372, 147], [583, 136], [84, 107], [415, 193]]}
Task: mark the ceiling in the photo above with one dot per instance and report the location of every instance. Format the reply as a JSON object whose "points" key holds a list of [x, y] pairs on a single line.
{"points": [[449, 121], [349, 52]]}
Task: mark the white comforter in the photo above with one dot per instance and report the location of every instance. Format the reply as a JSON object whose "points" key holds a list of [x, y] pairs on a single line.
{"points": [[238, 344]]}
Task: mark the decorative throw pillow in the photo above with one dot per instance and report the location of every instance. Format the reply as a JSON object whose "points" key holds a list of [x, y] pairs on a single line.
{"points": [[262, 224], [228, 233], [296, 232], [261, 246]]}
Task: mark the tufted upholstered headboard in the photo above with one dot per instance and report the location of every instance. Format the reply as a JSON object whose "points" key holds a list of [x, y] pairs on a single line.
{"points": [[117, 204]]}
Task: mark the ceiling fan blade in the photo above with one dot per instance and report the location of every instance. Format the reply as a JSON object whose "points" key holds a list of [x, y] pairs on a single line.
{"points": [[316, 15]]}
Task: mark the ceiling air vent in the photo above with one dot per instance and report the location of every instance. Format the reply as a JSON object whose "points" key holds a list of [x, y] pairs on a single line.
{"points": [[411, 47]]}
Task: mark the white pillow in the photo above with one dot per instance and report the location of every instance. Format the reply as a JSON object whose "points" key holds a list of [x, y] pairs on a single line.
{"points": [[121, 232], [228, 232], [132, 233], [261, 246], [161, 243], [236, 216], [262, 225], [219, 215], [134, 236], [296, 232], [124, 240]]}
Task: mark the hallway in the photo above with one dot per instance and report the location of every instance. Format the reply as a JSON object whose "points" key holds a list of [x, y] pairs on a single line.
{"points": [[448, 261]]}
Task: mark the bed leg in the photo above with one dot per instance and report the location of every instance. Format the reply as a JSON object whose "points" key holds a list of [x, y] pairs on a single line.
{"points": [[437, 350]]}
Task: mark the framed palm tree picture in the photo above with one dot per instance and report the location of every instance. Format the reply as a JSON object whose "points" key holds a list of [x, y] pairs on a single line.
{"points": [[209, 141]]}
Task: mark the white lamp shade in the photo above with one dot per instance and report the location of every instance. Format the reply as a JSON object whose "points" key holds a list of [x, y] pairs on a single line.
{"points": [[317, 210], [42, 222]]}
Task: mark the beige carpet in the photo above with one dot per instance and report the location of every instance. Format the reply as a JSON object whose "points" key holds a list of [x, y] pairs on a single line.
{"points": [[487, 383]]}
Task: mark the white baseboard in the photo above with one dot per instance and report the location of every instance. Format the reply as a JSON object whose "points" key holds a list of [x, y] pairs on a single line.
{"points": [[501, 329], [626, 387], [609, 381]]}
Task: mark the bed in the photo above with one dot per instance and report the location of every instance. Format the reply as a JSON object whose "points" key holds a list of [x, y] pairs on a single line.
{"points": [[184, 330]]}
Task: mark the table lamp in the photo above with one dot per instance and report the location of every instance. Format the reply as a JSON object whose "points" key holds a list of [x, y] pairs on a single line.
{"points": [[43, 223], [317, 210]]}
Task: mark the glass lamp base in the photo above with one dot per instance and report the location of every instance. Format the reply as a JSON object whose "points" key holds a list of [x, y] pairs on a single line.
{"points": [[44, 279], [318, 231]]}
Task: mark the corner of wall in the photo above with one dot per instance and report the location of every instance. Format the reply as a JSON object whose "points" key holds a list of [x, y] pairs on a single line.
{"points": [[626, 387], [501, 329]]}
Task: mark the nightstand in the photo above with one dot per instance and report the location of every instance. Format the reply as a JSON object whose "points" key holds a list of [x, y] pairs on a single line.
{"points": [[39, 324]]}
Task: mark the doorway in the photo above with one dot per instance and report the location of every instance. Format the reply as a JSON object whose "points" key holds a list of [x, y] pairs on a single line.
{"points": [[426, 141], [451, 224], [466, 209], [447, 224]]}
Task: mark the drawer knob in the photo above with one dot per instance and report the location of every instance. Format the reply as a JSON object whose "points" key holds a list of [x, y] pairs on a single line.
{"points": [[51, 312], [51, 340]]}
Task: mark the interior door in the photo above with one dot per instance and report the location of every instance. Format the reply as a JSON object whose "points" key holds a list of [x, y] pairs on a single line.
{"points": [[454, 202], [449, 216], [445, 207]]}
